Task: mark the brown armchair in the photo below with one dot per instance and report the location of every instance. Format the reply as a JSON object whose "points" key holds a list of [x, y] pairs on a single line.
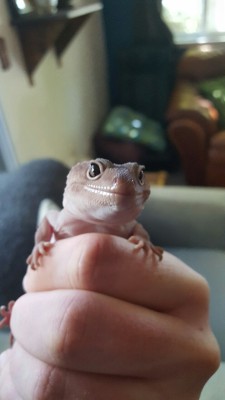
{"points": [[193, 121]]}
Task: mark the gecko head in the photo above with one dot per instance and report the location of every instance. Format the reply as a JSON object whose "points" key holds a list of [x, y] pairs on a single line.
{"points": [[100, 190]]}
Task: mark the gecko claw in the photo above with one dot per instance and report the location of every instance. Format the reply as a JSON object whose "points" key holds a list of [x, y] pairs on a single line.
{"points": [[40, 250], [138, 243], [146, 246], [157, 250], [44, 247]]}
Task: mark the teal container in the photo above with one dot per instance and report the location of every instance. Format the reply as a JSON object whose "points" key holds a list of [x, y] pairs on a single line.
{"points": [[124, 123]]}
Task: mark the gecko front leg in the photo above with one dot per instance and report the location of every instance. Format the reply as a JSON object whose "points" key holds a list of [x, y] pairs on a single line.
{"points": [[39, 250], [141, 240], [42, 245]]}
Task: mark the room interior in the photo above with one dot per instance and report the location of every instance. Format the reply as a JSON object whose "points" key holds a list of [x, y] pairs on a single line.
{"points": [[123, 54], [111, 56], [172, 84], [57, 115]]}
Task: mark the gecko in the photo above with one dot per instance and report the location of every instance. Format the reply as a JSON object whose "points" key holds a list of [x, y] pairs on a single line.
{"points": [[100, 196]]}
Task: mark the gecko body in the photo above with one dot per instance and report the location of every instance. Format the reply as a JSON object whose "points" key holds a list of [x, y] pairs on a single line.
{"points": [[99, 196]]}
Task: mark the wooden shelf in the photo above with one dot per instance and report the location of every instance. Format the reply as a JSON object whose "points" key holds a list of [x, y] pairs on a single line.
{"points": [[39, 33]]}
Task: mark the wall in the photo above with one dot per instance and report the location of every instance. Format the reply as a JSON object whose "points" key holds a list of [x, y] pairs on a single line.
{"points": [[59, 114]]}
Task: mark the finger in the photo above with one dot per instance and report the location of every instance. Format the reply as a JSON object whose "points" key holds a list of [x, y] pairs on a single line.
{"points": [[108, 265], [47, 382], [90, 332], [7, 388]]}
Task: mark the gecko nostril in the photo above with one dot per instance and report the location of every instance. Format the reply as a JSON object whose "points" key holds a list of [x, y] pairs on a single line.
{"points": [[115, 181]]}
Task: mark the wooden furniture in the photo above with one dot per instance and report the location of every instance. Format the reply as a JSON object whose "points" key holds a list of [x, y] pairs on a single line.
{"points": [[38, 33], [192, 120]]}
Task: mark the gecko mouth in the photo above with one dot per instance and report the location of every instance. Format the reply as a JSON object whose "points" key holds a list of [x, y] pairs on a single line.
{"points": [[116, 198], [104, 203], [109, 191]]}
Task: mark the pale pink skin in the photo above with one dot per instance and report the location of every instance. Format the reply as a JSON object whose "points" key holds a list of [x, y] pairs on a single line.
{"points": [[106, 203]]}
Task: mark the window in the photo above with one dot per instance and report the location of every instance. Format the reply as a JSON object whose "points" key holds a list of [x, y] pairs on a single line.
{"points": [[199, 20]]}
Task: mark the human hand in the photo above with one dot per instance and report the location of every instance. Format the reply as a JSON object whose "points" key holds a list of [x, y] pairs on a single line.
{"points": [[101, 322]]}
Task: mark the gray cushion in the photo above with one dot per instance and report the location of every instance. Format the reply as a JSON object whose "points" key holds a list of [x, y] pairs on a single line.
{"points": [[21, 192], [210, 264]]}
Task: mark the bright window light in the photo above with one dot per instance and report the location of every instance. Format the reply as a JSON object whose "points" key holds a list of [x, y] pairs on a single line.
{"points": [[21, 4], [201, 17]]}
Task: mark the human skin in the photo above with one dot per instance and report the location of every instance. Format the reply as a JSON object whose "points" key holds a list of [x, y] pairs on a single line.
{"points": [[101, 321]]}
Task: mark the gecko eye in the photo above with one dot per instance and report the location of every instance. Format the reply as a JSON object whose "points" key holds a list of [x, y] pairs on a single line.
{"points": [[141, 177], [94, 170]]}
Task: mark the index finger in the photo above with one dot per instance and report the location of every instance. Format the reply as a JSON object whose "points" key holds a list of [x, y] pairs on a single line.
{"points": [[109, 265]]}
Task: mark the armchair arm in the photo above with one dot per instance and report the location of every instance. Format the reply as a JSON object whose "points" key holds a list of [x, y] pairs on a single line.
{"points": [[191, 120], [186, 103], [186, 217]]}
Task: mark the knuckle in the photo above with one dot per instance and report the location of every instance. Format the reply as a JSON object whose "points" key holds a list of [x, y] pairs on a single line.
{"points": [[214, 356], [89, 268], [208, 356], [202, 287], [72, 329], [203, 291], [200, 292]]}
